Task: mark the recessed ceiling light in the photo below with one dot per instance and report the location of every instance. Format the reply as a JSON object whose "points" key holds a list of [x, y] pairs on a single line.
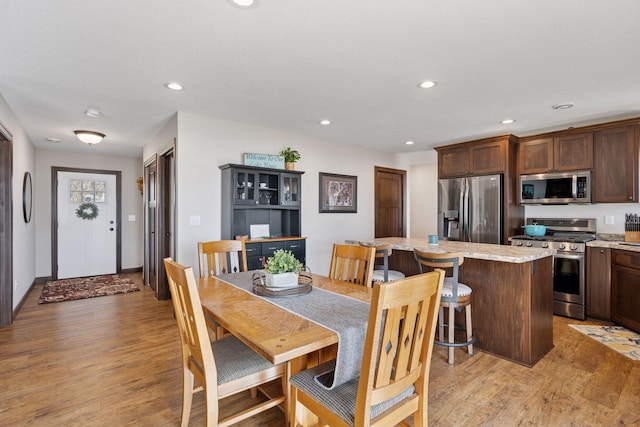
{"points": [[54, 140], [325, 122], [427, 84], [243, 4], [563, 106], [409, 142], [507, 121], [93, 112], [174, 86]]}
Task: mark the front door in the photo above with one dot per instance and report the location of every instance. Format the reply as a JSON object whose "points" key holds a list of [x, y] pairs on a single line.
{"points": [[87, 206]]}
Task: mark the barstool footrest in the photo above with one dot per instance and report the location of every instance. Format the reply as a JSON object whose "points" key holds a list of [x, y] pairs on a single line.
{"points": [[456, 344]]}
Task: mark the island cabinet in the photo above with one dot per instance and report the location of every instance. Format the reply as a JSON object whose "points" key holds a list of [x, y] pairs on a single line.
{"points": [[625, 288], [599, 283], [556, 154], [615, 172], [512, 299], [269, 199], [482, 157]]}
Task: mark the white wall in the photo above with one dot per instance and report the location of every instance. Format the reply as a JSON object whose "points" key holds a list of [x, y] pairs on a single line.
{"points": [[23, 234], [203, 144], [131, 168], [424, 200]]}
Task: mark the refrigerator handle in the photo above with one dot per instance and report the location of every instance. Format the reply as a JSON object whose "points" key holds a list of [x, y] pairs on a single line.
{"points": [[461, 211], [467, 217]]}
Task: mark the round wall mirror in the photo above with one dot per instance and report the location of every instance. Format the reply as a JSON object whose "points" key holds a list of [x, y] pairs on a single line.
{"points": [[27, 196]]}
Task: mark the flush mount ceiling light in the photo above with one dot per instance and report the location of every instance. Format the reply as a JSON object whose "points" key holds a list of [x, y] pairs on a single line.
{"points": [[88, 136], [409, 143], [507, 121], [563, 106], [243, 4], [174, 86], [325, 122], [428, 84], [54, 140]]}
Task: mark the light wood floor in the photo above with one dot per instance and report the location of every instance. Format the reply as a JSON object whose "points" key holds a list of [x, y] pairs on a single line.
{"points": [[114, 361]]}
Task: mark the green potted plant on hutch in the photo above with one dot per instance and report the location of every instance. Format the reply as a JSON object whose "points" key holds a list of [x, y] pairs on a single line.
{"points": [[290, 157], [282, 269]]}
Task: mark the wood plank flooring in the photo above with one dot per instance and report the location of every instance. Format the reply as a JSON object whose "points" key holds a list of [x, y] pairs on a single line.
{"points": [[114, 361]]}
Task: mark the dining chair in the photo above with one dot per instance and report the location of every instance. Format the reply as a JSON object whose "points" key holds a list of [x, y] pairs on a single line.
{"points": [[381, 272], [352, 263], [220, 257], [394, 377], [455, 296], [222, 368]]}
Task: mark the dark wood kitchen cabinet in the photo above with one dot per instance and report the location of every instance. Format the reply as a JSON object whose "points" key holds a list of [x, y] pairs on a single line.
{"points": [[599, 283], [482, 157], [625, 288], [556, 154], [615, 172]]}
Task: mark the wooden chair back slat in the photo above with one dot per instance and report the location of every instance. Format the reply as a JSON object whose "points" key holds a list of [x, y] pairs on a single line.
{"points": [[221, 257]]}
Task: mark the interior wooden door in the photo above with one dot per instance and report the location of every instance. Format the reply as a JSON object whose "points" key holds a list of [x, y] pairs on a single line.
{"points": [[390, 185]]}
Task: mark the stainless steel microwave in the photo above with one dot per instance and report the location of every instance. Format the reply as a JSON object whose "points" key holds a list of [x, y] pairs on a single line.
{"points": [[559, 188]]}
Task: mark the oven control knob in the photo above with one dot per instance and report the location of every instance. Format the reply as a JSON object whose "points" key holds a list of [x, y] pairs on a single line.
{"points": [[545, 245], [574, 247], [529, 244], [518, 243], [562, 246]]}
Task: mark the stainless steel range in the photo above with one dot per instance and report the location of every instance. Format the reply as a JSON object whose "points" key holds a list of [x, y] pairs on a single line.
{"points": [[568, 237]]}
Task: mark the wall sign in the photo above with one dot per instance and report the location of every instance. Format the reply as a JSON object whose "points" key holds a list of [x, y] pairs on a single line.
{"points": [[264, 160]]}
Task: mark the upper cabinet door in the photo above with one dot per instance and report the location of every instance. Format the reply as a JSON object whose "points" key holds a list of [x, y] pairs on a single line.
{"points": [[615, 175], [573, 152], [453, 162], [535, 156], [289, 189], [488, 158], [245, 187]]}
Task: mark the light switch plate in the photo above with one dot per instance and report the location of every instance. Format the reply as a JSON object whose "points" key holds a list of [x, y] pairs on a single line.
{"points": [[132, 217], [608, 219], [194, 220]]}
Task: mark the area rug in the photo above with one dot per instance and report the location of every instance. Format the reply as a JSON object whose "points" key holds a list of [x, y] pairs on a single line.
{"points": [[618, 338], [86, 287]]}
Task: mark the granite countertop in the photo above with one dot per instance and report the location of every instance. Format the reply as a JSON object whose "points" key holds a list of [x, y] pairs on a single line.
{"points": [[485, 251], [612, 244]]}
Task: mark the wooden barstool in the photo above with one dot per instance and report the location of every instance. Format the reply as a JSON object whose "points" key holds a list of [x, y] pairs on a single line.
{"points": [[455, 295]]}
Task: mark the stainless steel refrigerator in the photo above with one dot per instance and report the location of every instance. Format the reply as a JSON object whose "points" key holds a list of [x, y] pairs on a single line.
{"points": [[470, 209]]}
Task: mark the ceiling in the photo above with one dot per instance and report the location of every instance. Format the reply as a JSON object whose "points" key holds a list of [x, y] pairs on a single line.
{"points": [[287, 64]]}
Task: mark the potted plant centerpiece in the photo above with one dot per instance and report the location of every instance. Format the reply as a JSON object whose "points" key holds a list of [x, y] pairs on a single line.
{"points": [[282, 269], [290, 157]]}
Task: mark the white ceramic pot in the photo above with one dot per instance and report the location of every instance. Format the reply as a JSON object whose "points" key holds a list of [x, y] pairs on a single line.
{"points": [[282, 280]]}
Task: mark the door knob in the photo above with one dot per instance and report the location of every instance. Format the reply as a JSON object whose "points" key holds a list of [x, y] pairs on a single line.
{"points": [[111, 229]]}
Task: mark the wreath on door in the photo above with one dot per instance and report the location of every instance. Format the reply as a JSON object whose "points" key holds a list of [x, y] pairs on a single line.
{"points": [[87, 210]]}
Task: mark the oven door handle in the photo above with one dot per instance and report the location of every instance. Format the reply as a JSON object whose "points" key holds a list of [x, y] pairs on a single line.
{"points": [[569, 256]]}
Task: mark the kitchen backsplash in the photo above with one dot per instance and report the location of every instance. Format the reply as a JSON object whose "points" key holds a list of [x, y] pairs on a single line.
{"points": [[598, 211]]}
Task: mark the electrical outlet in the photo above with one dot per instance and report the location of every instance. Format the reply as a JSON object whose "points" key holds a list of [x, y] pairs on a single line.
{"points": [[15, 285], [194, 220], [608, 219]]}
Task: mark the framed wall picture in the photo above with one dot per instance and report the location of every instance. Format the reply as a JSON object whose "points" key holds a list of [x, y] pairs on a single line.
{"points": [[338, 193]]}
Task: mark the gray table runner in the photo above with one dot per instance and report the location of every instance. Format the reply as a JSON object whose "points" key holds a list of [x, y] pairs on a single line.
{"points": [[345, 316]]}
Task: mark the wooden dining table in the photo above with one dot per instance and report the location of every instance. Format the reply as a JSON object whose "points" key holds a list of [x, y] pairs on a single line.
{"points": [[277, 334]]}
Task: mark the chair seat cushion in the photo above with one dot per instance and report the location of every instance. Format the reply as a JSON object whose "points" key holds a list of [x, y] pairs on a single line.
{"points": [[463, 290], [235, 360], [342, 399], [378, 275]]}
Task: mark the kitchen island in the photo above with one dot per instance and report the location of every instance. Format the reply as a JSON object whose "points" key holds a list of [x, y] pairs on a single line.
{"points": [[512, 300]]}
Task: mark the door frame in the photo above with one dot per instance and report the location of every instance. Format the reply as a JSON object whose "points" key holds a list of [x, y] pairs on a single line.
{"points": [[54, 214], [6, 228], [150, 227]]}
